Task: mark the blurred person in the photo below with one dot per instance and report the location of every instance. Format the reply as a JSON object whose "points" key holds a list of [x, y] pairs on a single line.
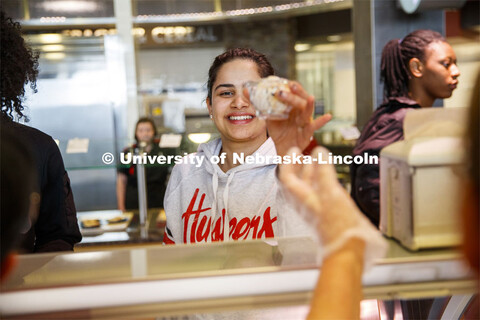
{"points": [[55, 228], [229, 200], [155, 175], [416, 70], [18, 181], [349, 240], [471, 203], [471, 207]]}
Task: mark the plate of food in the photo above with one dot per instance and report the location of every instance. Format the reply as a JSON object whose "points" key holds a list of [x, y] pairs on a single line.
{"points": [[118, 222], [97, 222], [90, 226]]}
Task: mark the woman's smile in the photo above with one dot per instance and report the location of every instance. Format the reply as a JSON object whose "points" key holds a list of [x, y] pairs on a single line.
{"points": [[240, 118]]}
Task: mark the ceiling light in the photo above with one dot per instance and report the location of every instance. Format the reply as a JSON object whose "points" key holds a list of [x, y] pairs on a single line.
{"points": [[70, 6], [54, 55], [300, 47], [334, 38], [52, 19], [50, 38], [53, 47]]}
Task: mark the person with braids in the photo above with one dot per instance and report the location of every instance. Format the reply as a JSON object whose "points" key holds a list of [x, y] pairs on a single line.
{"points": [[55, 226], [221, 198], [415, 70]]}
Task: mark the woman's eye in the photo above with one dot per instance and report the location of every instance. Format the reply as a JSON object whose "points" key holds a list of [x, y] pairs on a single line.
{"points": [[227, 93], [446, 64]]}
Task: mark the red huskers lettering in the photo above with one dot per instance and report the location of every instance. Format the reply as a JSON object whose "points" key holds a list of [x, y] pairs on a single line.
{"points": [[201, 228]]}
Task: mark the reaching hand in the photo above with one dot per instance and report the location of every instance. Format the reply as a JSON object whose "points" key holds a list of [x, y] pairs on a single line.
{"points": [[317, 187]]}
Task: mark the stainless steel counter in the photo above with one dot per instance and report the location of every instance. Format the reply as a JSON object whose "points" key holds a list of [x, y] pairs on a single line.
{"points": [[185, 279]]}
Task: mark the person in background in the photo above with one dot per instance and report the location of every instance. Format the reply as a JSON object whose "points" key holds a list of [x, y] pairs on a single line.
{"points": [[18, 180], [231, 200], [416, 70], [56, 227], [155, 175]]}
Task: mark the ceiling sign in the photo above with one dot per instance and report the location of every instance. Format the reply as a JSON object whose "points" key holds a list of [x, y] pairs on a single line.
{"points": [[174, 35]]}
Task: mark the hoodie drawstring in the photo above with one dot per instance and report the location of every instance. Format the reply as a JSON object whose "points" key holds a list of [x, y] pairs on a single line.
{"points": [[214, 204], [226, 221]]}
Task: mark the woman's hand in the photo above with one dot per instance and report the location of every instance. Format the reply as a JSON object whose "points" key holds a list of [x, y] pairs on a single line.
{"points": [[298, 129], [316, 186], [349, 240]]}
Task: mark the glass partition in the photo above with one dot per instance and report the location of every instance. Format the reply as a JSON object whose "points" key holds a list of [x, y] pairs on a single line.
{"points": [[252, 276]]}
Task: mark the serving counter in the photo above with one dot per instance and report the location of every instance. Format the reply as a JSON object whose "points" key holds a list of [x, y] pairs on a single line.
{"points": [[158, 280]]}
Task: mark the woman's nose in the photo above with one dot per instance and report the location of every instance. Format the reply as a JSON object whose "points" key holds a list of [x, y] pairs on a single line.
{"points": [[240, 101], [454, 71]]}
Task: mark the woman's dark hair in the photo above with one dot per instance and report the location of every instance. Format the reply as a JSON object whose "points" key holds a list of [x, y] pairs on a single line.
{"points": [[265, 69], [145, 120], [18, 66], [396, 54]]}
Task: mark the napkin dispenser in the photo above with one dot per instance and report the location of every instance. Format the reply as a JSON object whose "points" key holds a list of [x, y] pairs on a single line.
{"points": [[421, 182]]}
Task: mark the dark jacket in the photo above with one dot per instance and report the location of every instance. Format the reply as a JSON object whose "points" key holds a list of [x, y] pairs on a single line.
{"points": [[384, 128], [56, 228]]}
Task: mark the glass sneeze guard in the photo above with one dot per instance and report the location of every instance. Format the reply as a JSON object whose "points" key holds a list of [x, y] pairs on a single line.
{"points": [[179, 277]]}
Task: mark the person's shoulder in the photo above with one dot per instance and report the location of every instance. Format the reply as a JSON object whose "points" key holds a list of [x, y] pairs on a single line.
{"points": [[384, 127], [396, 108], [390, 114], [31, 134]]}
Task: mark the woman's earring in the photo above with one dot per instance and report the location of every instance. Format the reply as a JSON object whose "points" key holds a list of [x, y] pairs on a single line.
{"points": [[211, 116]]}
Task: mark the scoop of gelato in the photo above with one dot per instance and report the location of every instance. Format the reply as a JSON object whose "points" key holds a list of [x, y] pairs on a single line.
{"points": [[262, 96]]}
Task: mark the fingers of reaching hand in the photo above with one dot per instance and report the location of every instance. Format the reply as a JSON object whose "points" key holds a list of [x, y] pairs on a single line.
{"points": [[312, 201], [325, 174], [290, 176], [287, 171], [308, 174], [299, 179]]}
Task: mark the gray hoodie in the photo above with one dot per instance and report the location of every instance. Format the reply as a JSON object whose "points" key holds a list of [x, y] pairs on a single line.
{"points": [[202, 201]]}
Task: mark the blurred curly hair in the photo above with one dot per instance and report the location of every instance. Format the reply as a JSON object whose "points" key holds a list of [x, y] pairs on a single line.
{"points": [[18, 66]]}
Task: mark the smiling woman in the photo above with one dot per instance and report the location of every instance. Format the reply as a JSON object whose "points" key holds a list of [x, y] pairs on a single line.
{"points": [[232, 112], [228, 200]]}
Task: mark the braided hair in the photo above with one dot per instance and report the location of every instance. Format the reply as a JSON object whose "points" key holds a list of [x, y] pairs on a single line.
{"points": [[18, 66], [396, 54]]}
